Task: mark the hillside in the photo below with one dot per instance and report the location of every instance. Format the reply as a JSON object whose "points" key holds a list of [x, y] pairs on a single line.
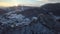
{"points": [[32, 20]]}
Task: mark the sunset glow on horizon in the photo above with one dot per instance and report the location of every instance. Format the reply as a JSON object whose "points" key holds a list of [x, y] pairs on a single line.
{"points": [[7, 3]]}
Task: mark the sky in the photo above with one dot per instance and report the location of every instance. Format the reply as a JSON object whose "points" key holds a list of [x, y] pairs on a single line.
{"points": [[7, 3]]}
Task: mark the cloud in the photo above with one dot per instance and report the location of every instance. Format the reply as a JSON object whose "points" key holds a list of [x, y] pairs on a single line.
{"points": [[42, 0], [38, 0], [22, 2], [5, 0], [5, 4], [34, 2], [54, 1]]}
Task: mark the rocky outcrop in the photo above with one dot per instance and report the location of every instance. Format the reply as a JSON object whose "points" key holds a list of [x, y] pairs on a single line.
{"points": [[42, 20]]}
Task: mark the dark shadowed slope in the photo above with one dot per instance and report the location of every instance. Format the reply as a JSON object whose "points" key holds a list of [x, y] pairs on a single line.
{"points": [[31, 12], [46, 22], [2, 11], [52, 7]]}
